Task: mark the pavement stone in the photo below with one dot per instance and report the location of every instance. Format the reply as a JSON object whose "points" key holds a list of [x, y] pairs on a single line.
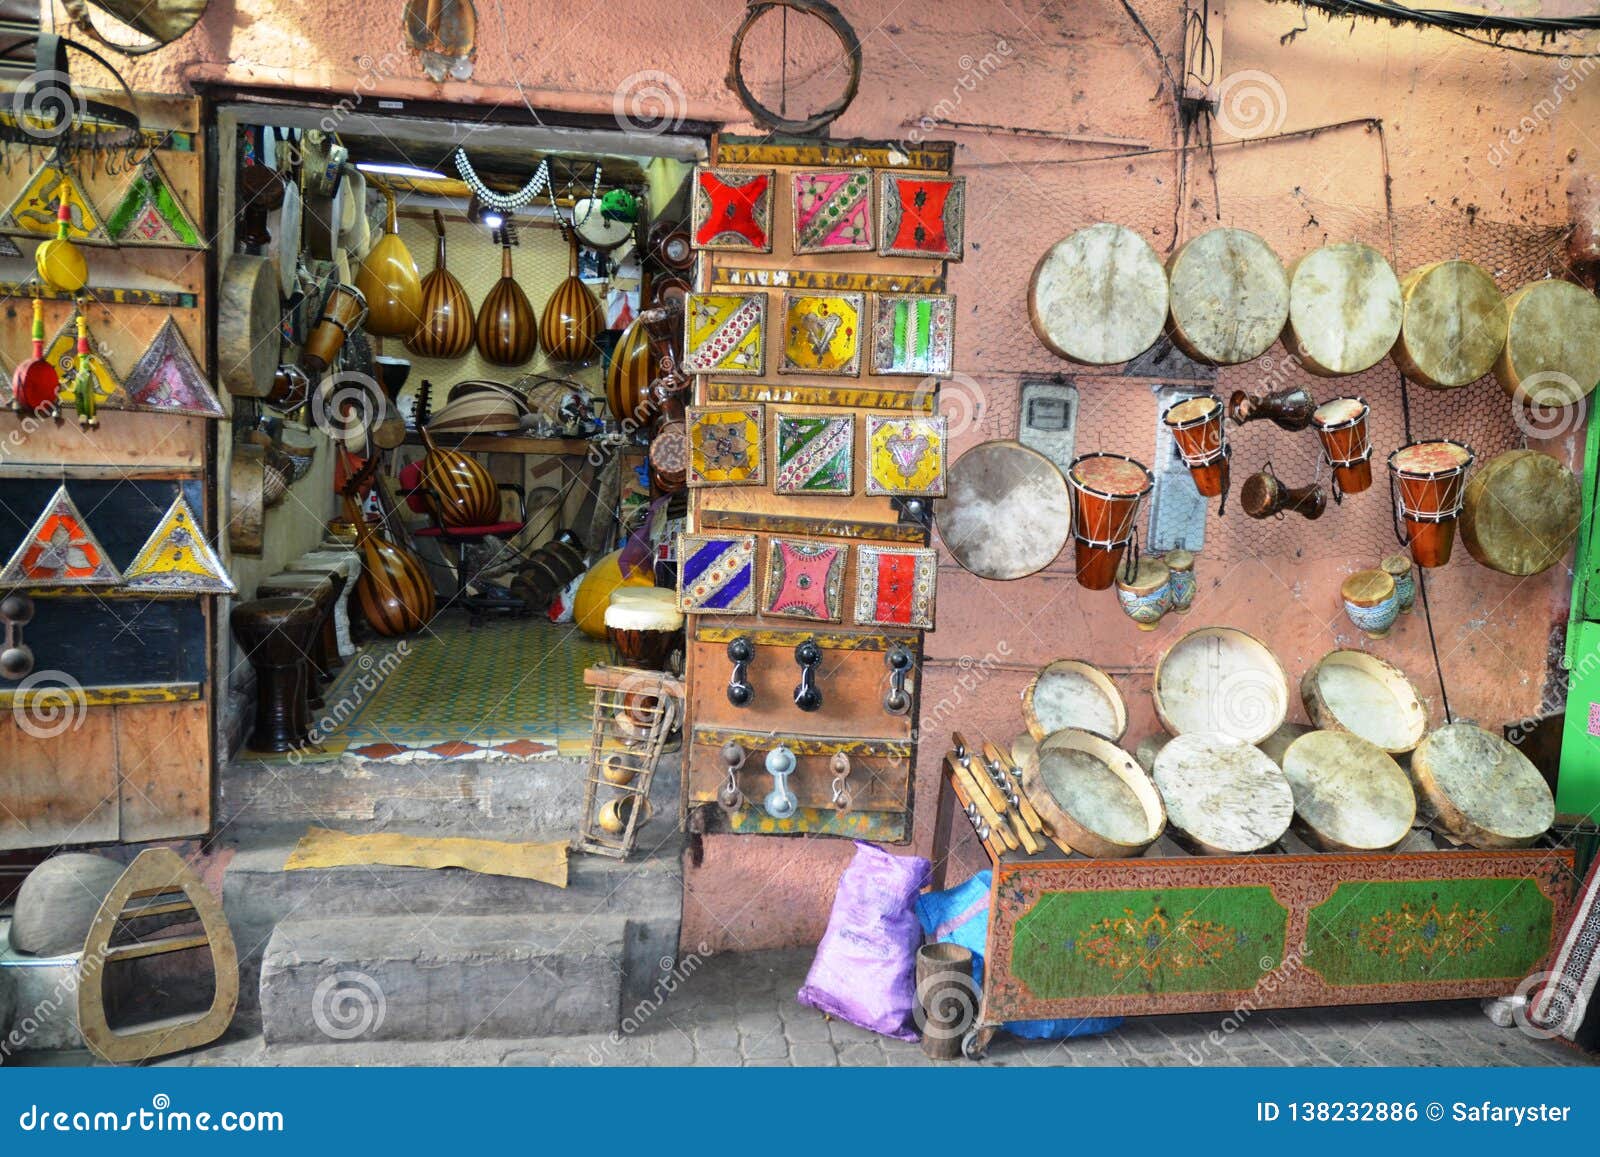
{"points": [[718, 1035], [813, 1055], [768, 1046], [867, 1053], [808, 1025]]}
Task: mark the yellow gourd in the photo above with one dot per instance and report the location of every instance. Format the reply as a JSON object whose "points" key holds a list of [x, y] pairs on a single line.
{"points": [[60, 263], [594, 593]]}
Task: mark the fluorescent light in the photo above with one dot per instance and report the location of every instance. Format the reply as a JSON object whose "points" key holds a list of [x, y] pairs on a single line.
{"points": [[413, 171], [492, 219]]}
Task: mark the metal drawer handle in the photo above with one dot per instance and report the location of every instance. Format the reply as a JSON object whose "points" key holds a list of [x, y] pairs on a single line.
{"points": [[900, 662], [781, 803], [742, 652], [809, 656]]}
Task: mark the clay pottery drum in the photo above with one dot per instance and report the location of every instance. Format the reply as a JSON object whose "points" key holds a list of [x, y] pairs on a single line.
{"points": [[1075, 694], [1552, 351], [615, 814], [275, 635], [1454, 326], [344, 310], [248, 341], [1099, 296], [1360, 693], [1265, 495], [1146, 594], [643, 624], [1477, 789], [1223, 796], [1106, 491], [1430, 481], [669, 457], [1341, 425], [1092, 796], [507, 331], [1345, 309], [1003, 515], [572, 318], [1221, 679], [1349, 795], [1183, 584], [1398, 567], [387, 277], [1229, 297], [445, 329], [1520, 512], [1196, 426], [1289, 409], [1370, 602]]}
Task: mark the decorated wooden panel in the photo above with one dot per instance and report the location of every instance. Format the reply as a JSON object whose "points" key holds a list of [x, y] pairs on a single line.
{"points": [[1153, 936]]}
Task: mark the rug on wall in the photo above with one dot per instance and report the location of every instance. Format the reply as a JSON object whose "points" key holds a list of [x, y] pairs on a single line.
{"points": [[506, 690]]}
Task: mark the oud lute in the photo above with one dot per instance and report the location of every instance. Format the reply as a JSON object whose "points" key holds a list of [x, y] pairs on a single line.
{"points": [[394, 590]]}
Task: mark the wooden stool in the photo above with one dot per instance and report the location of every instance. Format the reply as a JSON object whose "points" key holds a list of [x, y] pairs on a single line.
{"points": [[276, 636]]}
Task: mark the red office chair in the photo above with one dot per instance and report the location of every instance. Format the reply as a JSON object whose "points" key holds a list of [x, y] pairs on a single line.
{"points": [[489, 599]]}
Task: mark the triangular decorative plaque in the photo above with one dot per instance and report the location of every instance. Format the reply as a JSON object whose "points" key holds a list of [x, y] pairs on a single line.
{"points": [[151, 213], [62, 352], [34, 212], [60, 551], [168, 380], [176, 557]]}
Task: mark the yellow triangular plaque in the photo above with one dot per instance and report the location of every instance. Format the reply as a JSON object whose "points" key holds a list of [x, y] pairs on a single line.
{"points": [[176, 557], [33, 212], [62, 352]]}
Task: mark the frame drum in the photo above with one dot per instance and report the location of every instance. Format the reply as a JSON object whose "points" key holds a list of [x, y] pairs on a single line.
{"points": [[1552, 351], [1454, 327], [1478, 789], [1430, 481], [1227, 797], [1099, 296], [1093, 796], [1360, 693], [1003, 515], [1220, 679], [1345, 309], [1072, 693], [1520, 512], [1349, 795], [1229, 296]]}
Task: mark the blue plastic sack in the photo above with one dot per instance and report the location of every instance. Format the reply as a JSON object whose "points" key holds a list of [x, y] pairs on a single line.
{"points": [[960, 915]]}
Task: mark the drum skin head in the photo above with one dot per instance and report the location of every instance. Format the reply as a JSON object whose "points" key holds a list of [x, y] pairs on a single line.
{"points": [[1005, 514]]}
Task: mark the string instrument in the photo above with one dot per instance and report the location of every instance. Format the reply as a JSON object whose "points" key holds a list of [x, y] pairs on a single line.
{"points": [[572, 317], [388, 280], [394, 590], [628, 376], [507, 329], [446, 327], [461, 490]]}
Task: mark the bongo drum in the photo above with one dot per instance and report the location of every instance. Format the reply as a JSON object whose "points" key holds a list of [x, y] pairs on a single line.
{"points": [[343, 310], [1349, 795], [1072, 693], [1480, 790], [1196, 425], [1430, 481], [1106, 491], [1093, 795], [643, 624], [1001, 516], [1225, 797], [1342, 427]]}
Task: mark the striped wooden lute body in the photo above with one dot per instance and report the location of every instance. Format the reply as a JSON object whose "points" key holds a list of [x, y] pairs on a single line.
{"points": [[507, 330], [446, 329], [394, 590], [572, 318], [628, 376], [460, 490]]}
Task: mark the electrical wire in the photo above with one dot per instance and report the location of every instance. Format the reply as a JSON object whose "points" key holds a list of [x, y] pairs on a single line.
{"points": [[1461, 24]]}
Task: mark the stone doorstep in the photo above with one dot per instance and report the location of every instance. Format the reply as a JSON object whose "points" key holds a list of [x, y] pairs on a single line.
{"points": [[442, 978]]}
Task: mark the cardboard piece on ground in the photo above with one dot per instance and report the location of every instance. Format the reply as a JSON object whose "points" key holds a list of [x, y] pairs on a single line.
{"points": [[325, 848]]}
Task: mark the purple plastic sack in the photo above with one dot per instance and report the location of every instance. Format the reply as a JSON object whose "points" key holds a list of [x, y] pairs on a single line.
{"points": [[865, 968]]}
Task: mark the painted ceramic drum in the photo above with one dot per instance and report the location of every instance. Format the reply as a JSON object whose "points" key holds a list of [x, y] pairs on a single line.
{"points": [[1370, 603], [1106, 491], [1398, 567], [1341, 425], [1430, 481], [1183, 583], [1146, 594], [1196, 425]]}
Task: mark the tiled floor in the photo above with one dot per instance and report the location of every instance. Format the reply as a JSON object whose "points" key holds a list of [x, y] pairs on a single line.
{"points": [[739, 1010]]}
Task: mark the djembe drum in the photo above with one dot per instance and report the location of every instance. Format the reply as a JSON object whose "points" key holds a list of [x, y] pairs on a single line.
{"points": [[1342, 427], [343, 310], [643, 625], [1430, 481], [276, 636], [1106, 490], [1196, 425]]}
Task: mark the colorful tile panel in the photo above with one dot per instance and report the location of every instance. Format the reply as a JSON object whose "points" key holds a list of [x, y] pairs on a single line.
{"points": [[60, 551], [176, 557], [151, 213], [804, 580], [832, 210], [815, 454], [732, 209], [895, 586], [905, 455], [913, 334], [725, 333], [822, 333], [716, 574], [921, 216], [33, 212], [726, 446], [167, 379]]}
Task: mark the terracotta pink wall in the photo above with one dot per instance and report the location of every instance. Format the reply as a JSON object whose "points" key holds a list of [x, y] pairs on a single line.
{"points": [[1479, 146]]}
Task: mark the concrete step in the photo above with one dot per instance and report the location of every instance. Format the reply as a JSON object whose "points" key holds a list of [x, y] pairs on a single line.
{"points": [[437, 977]]}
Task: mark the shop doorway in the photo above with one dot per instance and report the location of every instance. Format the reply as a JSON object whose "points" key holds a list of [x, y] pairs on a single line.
{"points": [[534, 225]]}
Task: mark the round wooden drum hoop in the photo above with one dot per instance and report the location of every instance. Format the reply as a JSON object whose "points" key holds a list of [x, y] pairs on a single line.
{"points": [[835, 20]]}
